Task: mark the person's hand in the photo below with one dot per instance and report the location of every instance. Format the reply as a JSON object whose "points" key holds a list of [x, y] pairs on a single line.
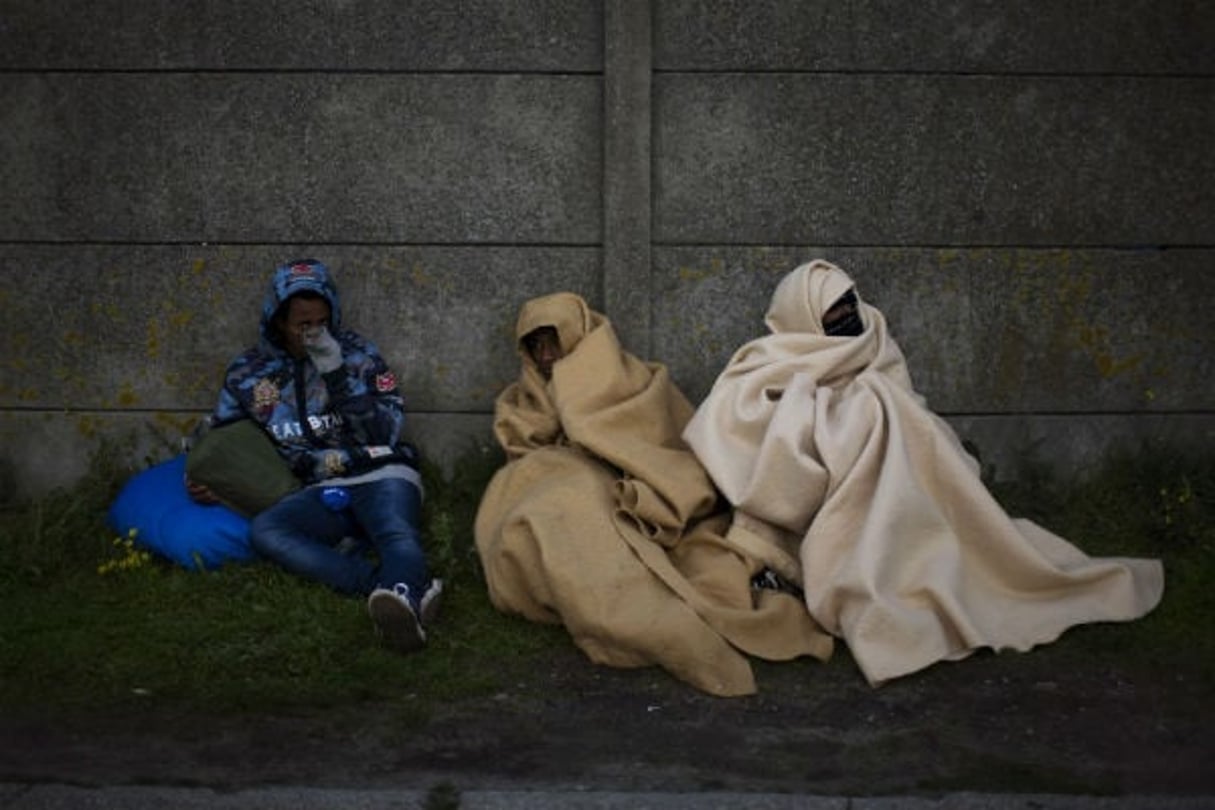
{"points": [[200, 493], [324, 350]]}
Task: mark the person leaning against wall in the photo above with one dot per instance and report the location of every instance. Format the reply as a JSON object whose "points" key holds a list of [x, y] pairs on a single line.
{"points": [[332, 409], [846, 484]]}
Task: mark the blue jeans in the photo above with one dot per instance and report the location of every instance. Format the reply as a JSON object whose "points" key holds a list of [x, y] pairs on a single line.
{"points": [[300, 534]]}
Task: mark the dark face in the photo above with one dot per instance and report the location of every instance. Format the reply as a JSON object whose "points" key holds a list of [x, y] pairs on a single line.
{"points": [[544, 346], [300, 316], [843, 319]]}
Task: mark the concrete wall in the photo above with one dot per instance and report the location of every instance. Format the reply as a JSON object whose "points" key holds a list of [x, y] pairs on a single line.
{"points": [[1026, 189]]}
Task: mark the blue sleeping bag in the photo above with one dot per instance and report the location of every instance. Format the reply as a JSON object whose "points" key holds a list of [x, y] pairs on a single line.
{"points": [[155, 504]]}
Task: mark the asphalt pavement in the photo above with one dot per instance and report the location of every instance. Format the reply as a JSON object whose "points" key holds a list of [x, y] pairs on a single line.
{"points": [[69, 797]]}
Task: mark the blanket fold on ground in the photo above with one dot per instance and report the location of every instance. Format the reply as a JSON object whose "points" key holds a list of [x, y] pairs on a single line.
{"points": [[845, 482], [603, 521]]}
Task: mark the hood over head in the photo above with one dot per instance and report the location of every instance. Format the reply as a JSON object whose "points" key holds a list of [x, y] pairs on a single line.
{"points": [[804, 296], [291, 278], [567, 312]]}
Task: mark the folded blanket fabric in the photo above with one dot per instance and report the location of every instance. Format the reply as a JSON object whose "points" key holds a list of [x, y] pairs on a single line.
{"points": [[845, 482], [603, 521]]}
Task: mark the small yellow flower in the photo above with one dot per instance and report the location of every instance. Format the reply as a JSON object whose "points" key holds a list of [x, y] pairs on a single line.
{"points": [[131, 557]]}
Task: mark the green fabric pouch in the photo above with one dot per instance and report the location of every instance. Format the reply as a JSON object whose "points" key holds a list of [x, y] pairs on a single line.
{"points": [[239, 464]]}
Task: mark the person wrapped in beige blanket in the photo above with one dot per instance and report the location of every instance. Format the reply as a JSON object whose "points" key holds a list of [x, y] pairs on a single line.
{"points": [[602, 519], [844, 482]]}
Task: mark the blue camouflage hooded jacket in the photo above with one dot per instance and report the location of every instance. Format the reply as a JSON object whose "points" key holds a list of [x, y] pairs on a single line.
{"points": [[343, 423]]}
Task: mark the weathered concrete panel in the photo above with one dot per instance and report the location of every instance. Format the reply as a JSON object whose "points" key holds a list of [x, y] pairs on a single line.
{"points": [[933, 160], [984, 331], [279, 157], [43, 450], [997, 177], [489, 35], [1108, 36], [151, 328], [1077, 444]]}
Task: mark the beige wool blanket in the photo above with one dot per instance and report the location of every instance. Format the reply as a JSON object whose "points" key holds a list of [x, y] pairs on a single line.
{"points": [[602, 519], [845, 482]]}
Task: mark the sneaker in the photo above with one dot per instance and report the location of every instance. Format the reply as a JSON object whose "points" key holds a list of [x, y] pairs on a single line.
{"points": [[396, 618], [429, 609], [769, 580]]}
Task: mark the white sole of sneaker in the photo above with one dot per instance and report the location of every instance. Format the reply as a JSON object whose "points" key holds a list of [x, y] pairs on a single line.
{"points": [[396, 622], [430, 602]]}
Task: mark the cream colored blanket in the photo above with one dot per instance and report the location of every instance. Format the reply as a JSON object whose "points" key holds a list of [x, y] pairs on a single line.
{"points": [[844, 481], [602, 519]]}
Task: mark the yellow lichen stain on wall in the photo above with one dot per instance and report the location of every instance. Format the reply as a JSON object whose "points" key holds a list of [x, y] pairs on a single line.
{"points": [[109, 310], [87, 426], [1109, 366], [195, 380], [173, 324], [441, 286], [183, 424], [771, 261], [716, 267], [707, 339], [1055, 290], [127, 398], [420, 277], [152, 340], [949, 269], [488, 393], [18, 356], [1095, 340], [947, 257], [123, 328], [168, 325], [179, 319]]}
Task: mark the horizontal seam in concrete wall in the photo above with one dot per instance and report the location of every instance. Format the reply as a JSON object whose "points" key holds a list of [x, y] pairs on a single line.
{"points": [[1130, 247], [288, 71], [656, 72], [286, 243], [1009, 74]]}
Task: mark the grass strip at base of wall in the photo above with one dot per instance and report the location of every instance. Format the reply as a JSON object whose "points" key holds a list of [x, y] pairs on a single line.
{"points": [[250, 637]]}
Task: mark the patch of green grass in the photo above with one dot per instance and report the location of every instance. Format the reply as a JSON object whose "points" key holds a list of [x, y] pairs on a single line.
{"points": [[1151, 501], [240, 638], [251, 637]]}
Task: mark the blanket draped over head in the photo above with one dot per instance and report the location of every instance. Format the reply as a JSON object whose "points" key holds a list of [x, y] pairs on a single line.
{"points": [[845, 482], [602, 519]]}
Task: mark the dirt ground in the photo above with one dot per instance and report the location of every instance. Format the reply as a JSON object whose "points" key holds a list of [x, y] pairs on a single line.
{"points": [[1038, 723]]}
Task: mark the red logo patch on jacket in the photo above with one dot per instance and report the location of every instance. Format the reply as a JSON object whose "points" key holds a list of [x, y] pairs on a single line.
{"points": [[265, 396], [385, 382]]}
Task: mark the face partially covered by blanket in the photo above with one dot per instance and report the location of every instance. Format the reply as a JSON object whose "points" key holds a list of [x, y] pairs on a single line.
{"points": [[843, 480], [526, 416], [603, 520], [757, 431], [611, 406]]}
